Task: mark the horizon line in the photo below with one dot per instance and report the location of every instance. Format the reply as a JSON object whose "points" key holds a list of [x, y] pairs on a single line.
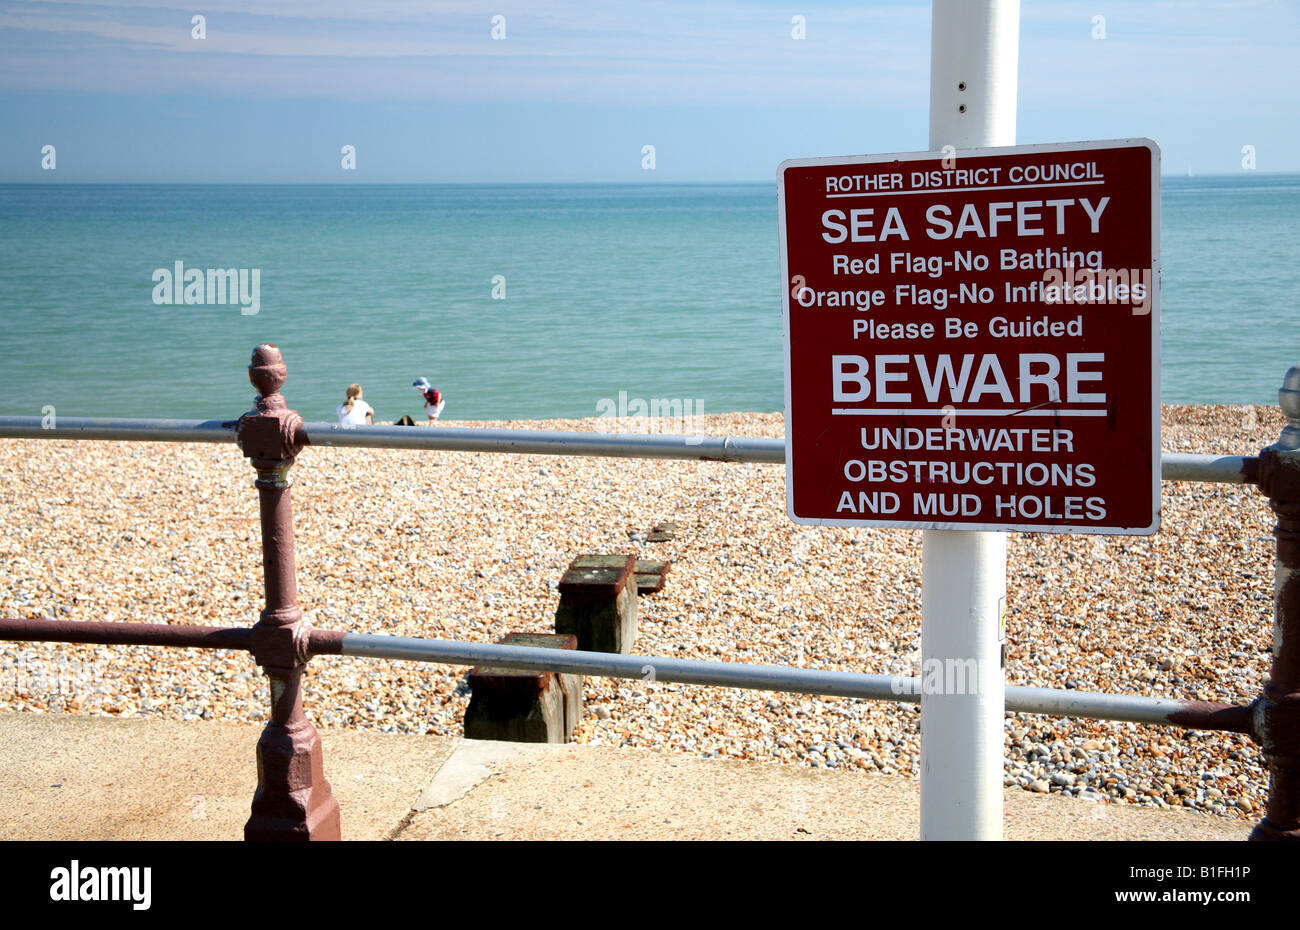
{"points": [[1242, 173]]}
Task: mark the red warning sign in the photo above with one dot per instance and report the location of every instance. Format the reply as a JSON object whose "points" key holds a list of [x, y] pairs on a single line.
{"points": [[973, 338]]}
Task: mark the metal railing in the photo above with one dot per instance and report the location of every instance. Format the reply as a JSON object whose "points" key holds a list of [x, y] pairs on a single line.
{"points": [[293, 799], [900, 688], [1228, 469]]}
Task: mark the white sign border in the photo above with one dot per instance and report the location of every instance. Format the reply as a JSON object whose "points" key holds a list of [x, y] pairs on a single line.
{"points": [[994, 151]]}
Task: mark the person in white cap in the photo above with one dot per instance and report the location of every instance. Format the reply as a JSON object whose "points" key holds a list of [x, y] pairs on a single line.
{"points": [[433, 402]]}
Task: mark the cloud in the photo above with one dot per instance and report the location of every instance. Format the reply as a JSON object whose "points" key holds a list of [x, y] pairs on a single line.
{"points": [[665, 52]]}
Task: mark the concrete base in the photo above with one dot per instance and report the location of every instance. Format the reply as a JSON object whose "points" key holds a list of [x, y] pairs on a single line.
{"points": [[101, 778]]}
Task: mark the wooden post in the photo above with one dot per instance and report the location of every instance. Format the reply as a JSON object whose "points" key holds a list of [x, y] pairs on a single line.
{"points": [[598, 602], [522, 706]]}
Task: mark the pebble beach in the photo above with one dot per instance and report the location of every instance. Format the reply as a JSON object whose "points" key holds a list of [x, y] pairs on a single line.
{"points": [[470, 546]]}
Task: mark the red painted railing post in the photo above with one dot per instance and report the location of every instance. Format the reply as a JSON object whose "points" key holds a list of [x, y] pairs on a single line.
{"points": [[1277, 712], [293, 799]]}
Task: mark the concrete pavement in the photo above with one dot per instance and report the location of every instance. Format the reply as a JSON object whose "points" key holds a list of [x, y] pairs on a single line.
{"points": [[97, 778]]}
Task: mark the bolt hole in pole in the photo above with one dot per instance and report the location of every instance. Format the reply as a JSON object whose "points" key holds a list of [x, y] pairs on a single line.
{"points": [[974, 47]]}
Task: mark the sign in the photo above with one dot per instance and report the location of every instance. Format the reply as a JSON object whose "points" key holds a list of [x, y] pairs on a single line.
{"points": [[973, 337]]}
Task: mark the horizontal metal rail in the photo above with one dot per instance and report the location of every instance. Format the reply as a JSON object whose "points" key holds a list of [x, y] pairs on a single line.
{"points": [[1174, 466], [906, 690], [127, 634], [117, 428], [902, 689], [1228, 469]]}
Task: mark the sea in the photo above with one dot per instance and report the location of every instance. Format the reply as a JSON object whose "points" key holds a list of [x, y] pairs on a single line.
{"points": [[518, 301]]}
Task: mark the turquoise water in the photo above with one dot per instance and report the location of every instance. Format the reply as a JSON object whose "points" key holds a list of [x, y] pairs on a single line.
{"points": [[661, 291]]}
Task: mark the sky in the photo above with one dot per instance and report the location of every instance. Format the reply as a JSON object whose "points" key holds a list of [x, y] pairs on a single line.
{"points": [[574, 91]]}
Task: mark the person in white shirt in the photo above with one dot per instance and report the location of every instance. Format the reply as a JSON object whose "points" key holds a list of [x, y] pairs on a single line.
{"points": [[354, 411]]}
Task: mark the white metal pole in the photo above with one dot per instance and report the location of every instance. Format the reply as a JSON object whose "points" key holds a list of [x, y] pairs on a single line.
{"points": [[974, 53], [974, 50]]}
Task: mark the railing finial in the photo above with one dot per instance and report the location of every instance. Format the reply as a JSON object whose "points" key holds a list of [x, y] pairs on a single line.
{"points": [[267, 371], [1288, 398]]}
